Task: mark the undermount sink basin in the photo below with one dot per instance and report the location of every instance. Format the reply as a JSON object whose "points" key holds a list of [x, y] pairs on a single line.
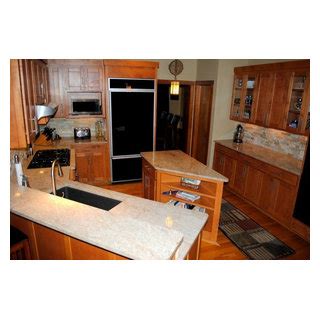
{"points": [[88, 198]]}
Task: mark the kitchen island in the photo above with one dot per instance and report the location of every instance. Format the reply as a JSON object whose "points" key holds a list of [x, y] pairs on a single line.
{"points": [[134, 229], [163, 175]]}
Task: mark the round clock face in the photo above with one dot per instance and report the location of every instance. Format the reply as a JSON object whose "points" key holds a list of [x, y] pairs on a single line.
{"points": [[176, 67]]}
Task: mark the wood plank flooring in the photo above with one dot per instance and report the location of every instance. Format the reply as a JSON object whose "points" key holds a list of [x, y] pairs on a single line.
{"points": [[226, 249]]}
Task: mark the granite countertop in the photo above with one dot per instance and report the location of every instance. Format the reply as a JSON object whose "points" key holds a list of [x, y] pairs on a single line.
{"points": [[276, 159], [137, 228], [176, 161]]}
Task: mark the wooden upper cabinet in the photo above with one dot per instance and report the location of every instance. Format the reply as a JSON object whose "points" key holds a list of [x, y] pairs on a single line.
{"points": [[56, 89], [280, 99], [74, 80], [264, 98], [84, 78], [41, 85], [94, 78], [28, 87], [244, 97]]}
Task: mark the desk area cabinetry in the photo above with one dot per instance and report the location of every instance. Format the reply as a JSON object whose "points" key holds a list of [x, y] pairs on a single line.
{"points": [[270, 188]]}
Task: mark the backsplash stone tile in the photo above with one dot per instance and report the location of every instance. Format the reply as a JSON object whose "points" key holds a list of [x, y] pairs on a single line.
{"points": [[64, 127], [276, 140]]}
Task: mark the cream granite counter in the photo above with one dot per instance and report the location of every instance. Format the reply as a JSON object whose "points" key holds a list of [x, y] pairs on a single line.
{"points": [[276, 159], [176, 161], [136, 228]]}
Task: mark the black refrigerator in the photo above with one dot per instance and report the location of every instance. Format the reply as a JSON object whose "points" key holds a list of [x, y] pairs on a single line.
{"points": [[132, 129]]}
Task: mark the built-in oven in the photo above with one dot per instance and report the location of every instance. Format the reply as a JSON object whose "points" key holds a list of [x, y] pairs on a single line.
{"points": [[84, 103], [132, 129]]}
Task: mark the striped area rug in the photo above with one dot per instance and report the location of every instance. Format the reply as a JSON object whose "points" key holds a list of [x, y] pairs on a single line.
{"points": [[250, 237]]}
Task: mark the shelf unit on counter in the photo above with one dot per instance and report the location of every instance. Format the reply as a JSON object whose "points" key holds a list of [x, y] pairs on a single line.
{"points": [[157, 181]]}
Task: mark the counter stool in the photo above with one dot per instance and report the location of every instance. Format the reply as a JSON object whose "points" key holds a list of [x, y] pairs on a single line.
{"points": [[19, 245]]}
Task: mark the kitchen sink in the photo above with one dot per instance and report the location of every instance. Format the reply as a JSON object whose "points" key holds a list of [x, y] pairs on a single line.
{"points": [[88, 198]]}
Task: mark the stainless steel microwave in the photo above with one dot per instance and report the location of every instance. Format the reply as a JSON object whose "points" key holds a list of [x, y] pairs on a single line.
{"points": [[85, 103]]}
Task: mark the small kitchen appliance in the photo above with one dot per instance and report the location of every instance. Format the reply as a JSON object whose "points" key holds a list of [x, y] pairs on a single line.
{"points": [[238, 135], [82, 133]]}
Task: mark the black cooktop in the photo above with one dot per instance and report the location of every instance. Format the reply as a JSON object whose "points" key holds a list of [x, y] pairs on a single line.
{"points": [[44, 158]]}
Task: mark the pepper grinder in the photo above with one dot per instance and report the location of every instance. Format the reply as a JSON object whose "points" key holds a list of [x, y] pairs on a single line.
{"points": [[238, 135]]}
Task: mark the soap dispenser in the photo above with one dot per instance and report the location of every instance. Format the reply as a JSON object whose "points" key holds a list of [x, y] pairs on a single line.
{"points": [[19, 171]]}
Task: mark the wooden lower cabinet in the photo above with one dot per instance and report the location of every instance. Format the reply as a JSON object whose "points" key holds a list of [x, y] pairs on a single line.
{"points": [[91, 163], [268, 188], [48, 244]]}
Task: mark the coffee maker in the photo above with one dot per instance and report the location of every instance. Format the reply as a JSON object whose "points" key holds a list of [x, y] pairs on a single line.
{"points": [[238, 135]]}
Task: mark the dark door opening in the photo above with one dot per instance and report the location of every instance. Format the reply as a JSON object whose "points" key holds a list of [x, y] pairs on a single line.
{"points": [[173, 117]]}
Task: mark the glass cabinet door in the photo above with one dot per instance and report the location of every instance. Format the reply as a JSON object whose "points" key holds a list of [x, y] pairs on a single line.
{"points": [[298, 113], [238, 85], [249, 97]]}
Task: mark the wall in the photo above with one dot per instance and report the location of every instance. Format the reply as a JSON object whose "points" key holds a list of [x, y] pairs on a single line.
{"points": [[189, 71], [221, 126]]}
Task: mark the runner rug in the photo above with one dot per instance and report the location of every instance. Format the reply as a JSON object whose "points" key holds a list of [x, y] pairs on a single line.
{"points": [[249, 236]]}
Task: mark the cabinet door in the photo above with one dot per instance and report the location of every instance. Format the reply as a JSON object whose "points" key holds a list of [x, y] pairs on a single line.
{"points": [[218, 161], [93, 78], [298, 113], [56, 89], [83, 163], [228, 170], [253, 184], [224, 165], [264, 98], [40, 81], [51, 244], [98, 165], [268, 194], [240, 176], [280, 100], [74, 79], [284, 203]]}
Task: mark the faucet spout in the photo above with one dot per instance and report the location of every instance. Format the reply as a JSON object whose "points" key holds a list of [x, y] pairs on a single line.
{"points": [[53, 178]]}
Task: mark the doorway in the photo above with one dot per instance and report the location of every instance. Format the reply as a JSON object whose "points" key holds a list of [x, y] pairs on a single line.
{"points": [[183, 121], [173, 116]]}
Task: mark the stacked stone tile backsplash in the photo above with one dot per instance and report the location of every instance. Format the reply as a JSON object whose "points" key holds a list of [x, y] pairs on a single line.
{"points": [[64, 127], [276, 140]]}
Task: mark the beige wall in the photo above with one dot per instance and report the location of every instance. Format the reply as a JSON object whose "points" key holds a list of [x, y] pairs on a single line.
{"points": [[221, 126], [189, 71]]}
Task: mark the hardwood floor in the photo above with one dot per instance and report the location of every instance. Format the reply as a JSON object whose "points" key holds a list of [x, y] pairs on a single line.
{"points": [[226, 249]]}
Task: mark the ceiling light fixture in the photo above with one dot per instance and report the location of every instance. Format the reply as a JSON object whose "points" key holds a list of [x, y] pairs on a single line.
{"points": [[175, 68]]}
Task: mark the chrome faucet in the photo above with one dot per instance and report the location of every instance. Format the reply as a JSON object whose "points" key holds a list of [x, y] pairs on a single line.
{"points": [[53, 178]]}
